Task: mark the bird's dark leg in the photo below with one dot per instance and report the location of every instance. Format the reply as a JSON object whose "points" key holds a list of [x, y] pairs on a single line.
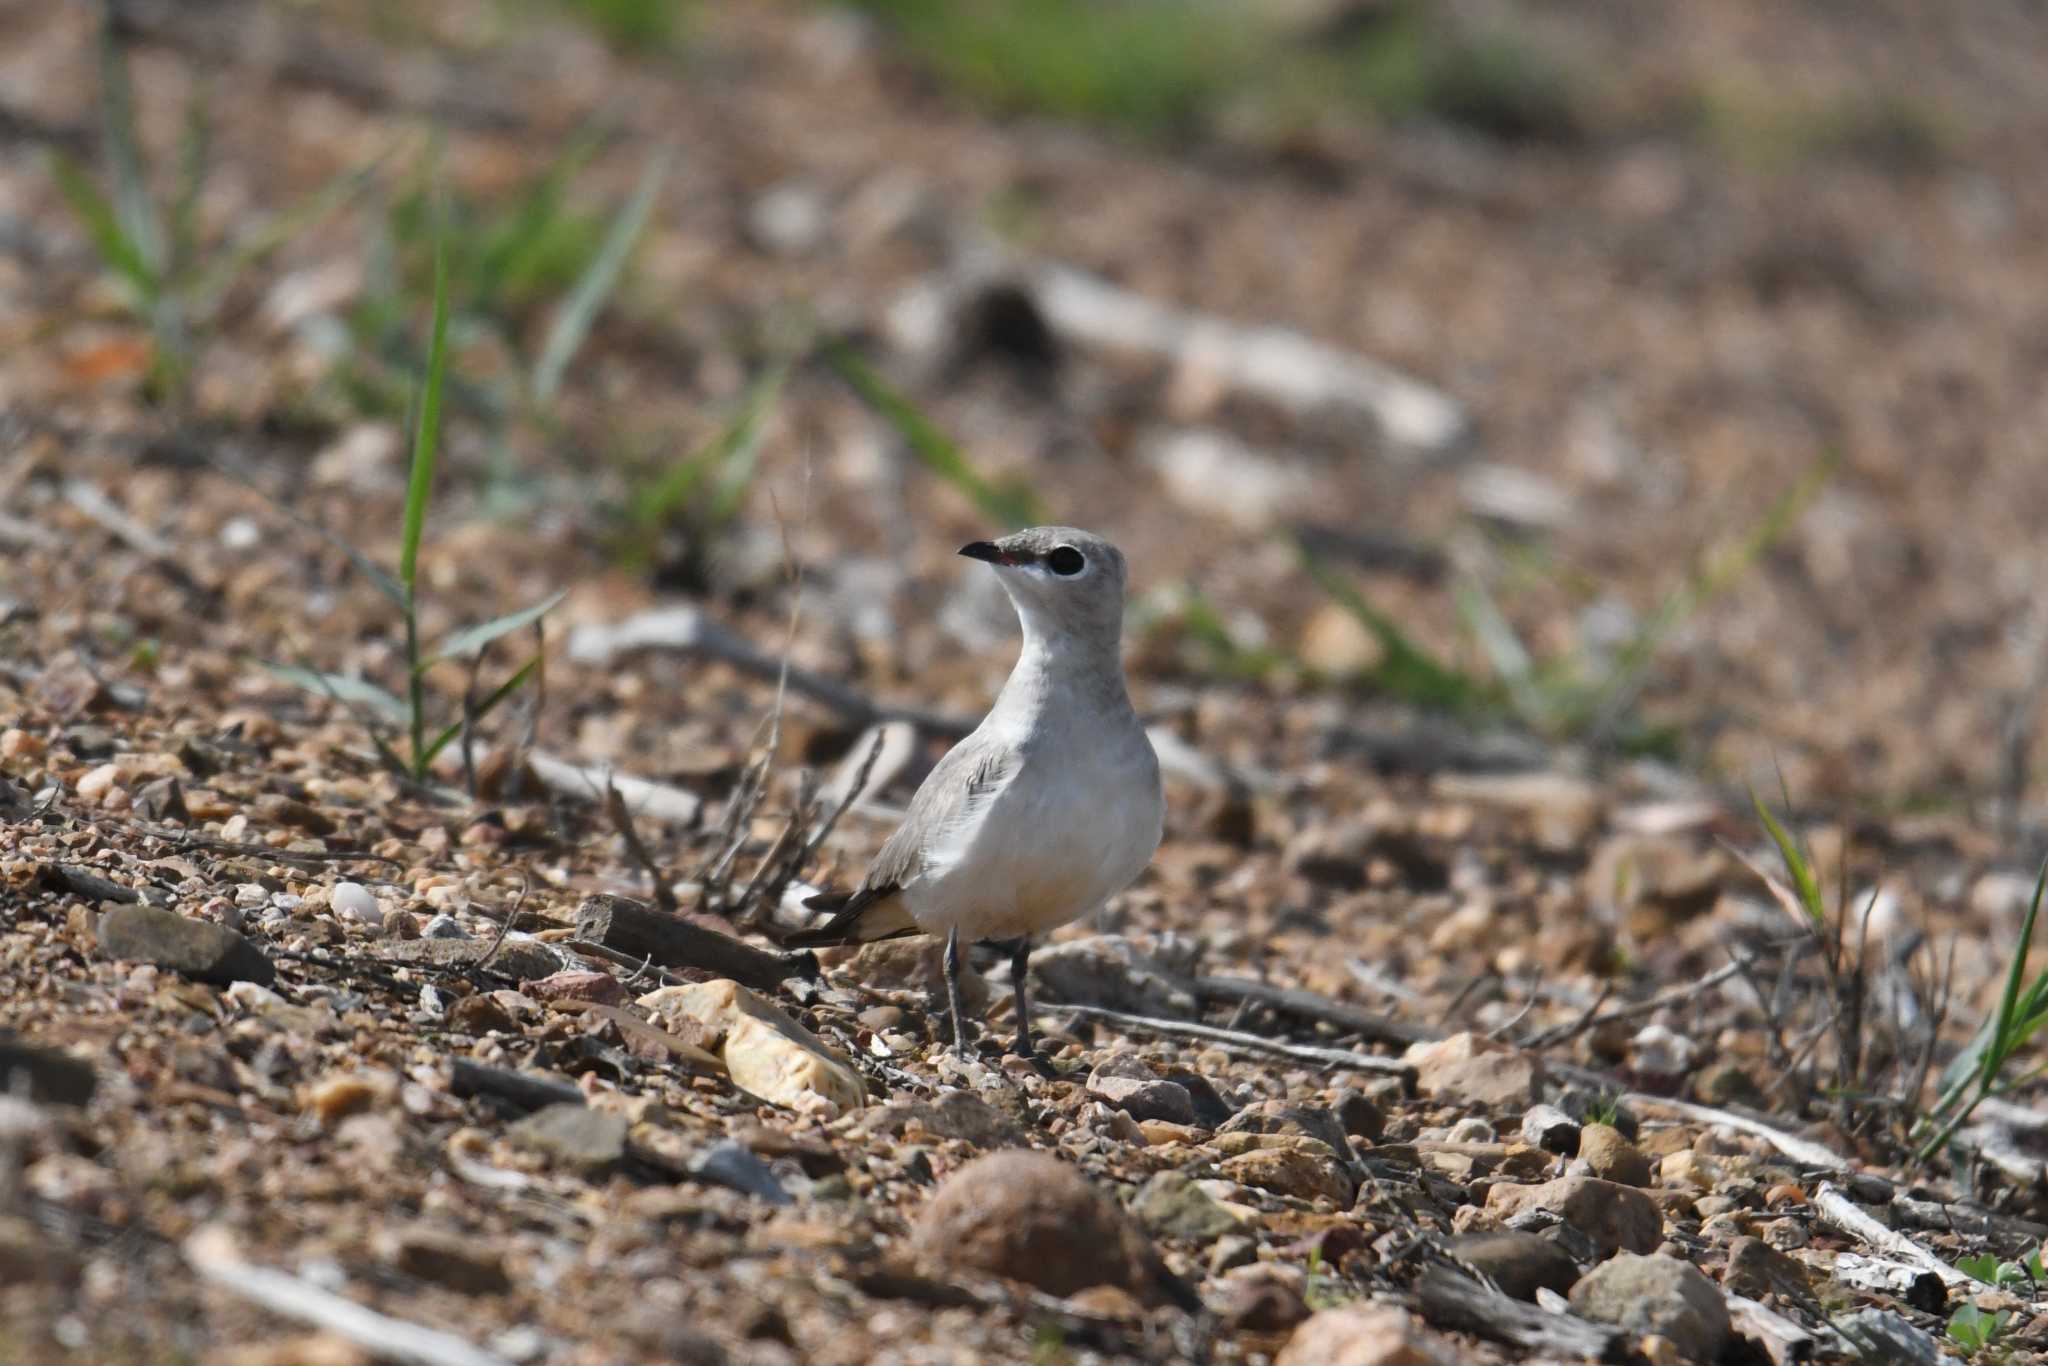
{"points": [[953, 991], [1020, 969]]}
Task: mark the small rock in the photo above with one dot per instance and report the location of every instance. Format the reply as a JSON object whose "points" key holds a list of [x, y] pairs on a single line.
{"points": [[47, 1076], [1882, 1335], [1519, 1263], [728, 1164], [294, 814], [574, 985], [1604, 1153], [1146, 975], [1653, 883], [1279, 1117], [1232, 1250], [789, 219], [1552, 1130], [1358, 1116], [30, 1256], [444, 927], [957, 1115], [445, 1257], [917, 963], [162, 799], [1661, 1056], [1298, 1172], [1029, 1217], [203, 952], [1360, 1335], [98, 782], [1785, 1234], [337, 1096], [1688, 1170], [482, 1013], [1661, 1295], [1173, 1206], [1613, 1217], [1756, 1269], [1260, 1298], [590, 1141], [354, 901], [765, 1052], [1471, 1069], [1124, 1082], [1728, 1085]]}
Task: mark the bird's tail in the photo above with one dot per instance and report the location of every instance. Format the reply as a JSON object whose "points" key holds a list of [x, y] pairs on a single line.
{"points": [[857, 918]]}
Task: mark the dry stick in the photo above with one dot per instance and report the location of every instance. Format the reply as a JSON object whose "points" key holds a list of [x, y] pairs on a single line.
{"points": [[211, 1252], [1594, 1017], [1257, 1043], [1309, 1006], [1834, 1206], [505, 925], [622, 821]]}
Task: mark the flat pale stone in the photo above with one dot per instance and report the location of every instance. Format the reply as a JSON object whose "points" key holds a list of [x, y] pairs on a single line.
{"points": [[765, 1052]]}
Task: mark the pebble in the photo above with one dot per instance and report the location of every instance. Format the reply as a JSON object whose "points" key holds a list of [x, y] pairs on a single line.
{"points": [[1552, 1130], [1030, 1217], [203, 952], [1124, 1082], [1756, 1269], [765, 1052], [1519, 1263], [1660, 1295], [354, 901], [1614, 1217], [98, 782], [1604, 1153], [1362, 1335], [1471, 1069], [444, 927], [591, 1141]]}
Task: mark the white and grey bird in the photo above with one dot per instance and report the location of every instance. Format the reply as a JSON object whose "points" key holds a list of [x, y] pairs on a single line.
{"points": [[1051, 806]]}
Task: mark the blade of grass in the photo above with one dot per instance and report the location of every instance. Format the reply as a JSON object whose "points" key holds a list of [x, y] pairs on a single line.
{"points": [[419, 487], [121, 253], [1407, 670], [738, 440], [125, 167], [1012, 507], [338, 687], [482, 709], [475, 637], [579, 311], [1803, 879]]}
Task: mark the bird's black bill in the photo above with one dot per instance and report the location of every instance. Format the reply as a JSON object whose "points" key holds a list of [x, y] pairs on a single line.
{"points": [[989, 551]]}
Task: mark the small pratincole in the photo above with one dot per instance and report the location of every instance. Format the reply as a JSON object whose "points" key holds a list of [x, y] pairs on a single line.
{"points": [[1049, 808]]}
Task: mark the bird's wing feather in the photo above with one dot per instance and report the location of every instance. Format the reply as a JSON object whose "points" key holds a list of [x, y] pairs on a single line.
{"points": [[951, 798]]}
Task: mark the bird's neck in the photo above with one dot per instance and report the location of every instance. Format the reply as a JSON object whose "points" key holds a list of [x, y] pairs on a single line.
{"points": [[1065, 669]]}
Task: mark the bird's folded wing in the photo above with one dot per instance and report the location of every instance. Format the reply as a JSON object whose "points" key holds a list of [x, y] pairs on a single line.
{"points": [[941, 821]]}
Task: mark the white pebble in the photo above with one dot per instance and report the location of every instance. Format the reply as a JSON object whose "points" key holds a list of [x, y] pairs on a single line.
{"points": [[353, 901]]}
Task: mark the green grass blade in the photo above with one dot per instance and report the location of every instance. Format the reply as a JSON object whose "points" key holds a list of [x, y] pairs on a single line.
{"points": [[1407, 670], [475, 637], [579, 311], [483, 709], [419, 487], [1803, 879], [733, 452], [125, 167], [339, 687], [426, 430], [2011, 1030], [121, 253], [1010, 507]]}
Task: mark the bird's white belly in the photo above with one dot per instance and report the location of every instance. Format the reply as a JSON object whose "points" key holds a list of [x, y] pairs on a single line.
{"points": [[1044, 852]]}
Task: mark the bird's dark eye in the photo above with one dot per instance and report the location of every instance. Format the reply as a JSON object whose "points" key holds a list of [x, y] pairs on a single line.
{"points": [[1065, 561]]}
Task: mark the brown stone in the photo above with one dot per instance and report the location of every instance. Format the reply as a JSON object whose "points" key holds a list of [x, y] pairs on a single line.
{"points": [[1029, 1217], [1360, 1335], [1609, 1156], [1474, 1070], [1617, 1218]]}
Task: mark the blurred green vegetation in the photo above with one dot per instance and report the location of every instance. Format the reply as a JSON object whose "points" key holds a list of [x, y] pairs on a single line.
{"points": [[1169, 68]]}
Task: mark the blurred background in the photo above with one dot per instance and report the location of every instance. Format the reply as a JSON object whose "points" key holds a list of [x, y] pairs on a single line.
{"points": [[1661, 385]]}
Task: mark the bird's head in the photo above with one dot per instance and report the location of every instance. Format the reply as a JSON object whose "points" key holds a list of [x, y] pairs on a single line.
{"points": [[1062, 579]]}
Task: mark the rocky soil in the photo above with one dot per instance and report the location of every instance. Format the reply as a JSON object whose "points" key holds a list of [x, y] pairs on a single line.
{"points": [[1429, 1036]]}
